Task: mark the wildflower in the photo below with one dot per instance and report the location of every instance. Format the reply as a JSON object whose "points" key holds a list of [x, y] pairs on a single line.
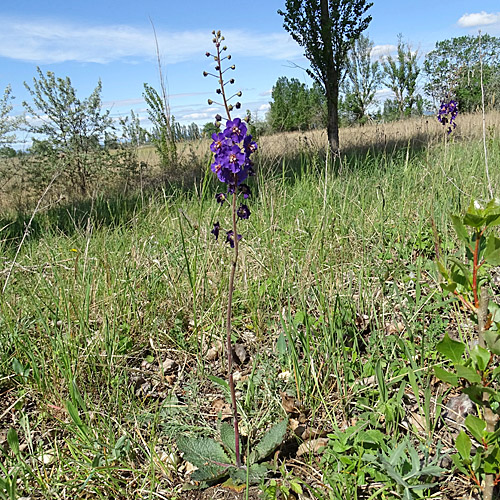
{"points": [[230, 238], [215, 230], [243, 211], [244, 190], [235, 130], [221, 198], [447, 115]]}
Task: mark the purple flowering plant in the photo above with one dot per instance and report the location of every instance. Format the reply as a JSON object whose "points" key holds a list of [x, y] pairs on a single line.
{"points": [[447, 114], [232, 149], [231, 154]]}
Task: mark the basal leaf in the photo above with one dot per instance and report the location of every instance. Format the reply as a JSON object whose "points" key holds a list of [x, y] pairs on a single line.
{"points": [[270, 441], [476, 426], [451, 349], [227, 437], [207, 455], [256, 473]]}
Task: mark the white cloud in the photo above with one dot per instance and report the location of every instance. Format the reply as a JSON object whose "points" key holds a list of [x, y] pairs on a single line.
{"points": [[264, 107], [53, 41], [383, 50], [197, 116], [479, 19]]}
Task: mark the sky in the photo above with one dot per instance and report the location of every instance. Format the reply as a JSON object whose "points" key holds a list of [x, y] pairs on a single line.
{"points": [[113, 41]]}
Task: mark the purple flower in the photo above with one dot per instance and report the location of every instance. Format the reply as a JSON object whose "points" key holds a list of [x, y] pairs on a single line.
{"points": [[215, 230], [233, 159], [447, 114], [230, 238], [219, 142], [244, 190], [243, 211], [249, 145], [221, 198], [235, 130]]}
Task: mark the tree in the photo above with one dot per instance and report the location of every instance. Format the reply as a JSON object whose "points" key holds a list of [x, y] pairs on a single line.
{"points": [[401, 75], [361, 81], [8, 124], [72, 127], [453, 70], [294, 106], [327, 29]]}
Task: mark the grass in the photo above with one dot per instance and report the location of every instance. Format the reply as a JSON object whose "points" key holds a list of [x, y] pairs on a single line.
{"points": [[112, 306]]}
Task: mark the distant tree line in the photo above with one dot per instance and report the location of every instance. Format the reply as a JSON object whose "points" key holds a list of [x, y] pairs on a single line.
{"points": [[451, 71]]}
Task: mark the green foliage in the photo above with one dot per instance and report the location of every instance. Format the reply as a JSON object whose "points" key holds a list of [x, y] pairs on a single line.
{"points": [[8, 124], [327, 29], [400, 76], [213, 461], [163, 133], [362, 80], [404, 467], [453, 69], [72, 128], [295, 106], [476, 367]]}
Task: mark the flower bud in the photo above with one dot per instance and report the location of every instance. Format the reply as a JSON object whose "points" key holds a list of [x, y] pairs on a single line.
{"points": [[207, 54], [233, 67], [224, 48], [205, 73], [210, 102], [214, 40], [213, 32], [219, 91], [238, 105], [218, 33], [217, 68], [218, 117], [239, 93], [230, 107], [229, 56], [231, 81]]}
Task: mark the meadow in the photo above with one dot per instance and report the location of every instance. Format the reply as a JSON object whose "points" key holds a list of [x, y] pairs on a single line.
{"points": [[112, 322]]}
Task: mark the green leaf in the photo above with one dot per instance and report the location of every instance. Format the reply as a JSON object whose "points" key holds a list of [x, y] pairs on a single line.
{"points": [[463, 445], [269, 442], [73, 413], [481, 357], [451, 349], [227, 437], [492, 251], [207, 455], [446, 376], [13, 440], [476, 426], [219, 381], [460, 229], [473, 220], [256, 473], [492, 340], [469, 374]]}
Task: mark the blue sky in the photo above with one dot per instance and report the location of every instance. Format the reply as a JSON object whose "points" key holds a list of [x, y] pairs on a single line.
{"points": [[113, 40]]}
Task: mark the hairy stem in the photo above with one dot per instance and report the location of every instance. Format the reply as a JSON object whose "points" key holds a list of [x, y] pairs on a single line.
{"points": [[229, 344]]}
